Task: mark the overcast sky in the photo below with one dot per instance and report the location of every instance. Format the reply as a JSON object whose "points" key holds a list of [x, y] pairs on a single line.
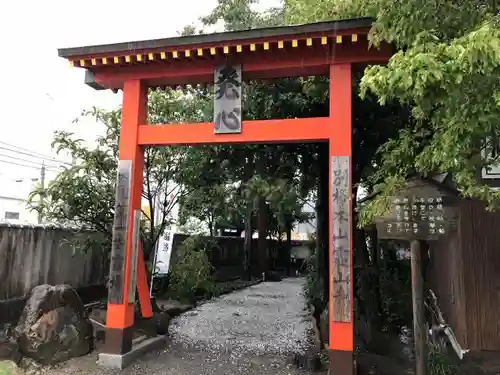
{"points": [[40, 92]]}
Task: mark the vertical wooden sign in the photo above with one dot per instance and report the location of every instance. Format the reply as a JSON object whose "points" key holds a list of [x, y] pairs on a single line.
{"points": [[227, 99], [120, 229], [341, 237], [136, 236]]}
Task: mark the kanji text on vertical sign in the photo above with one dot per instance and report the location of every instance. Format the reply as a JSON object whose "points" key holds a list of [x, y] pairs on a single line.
{"points": [[341, 267], [227, 100], [120, 230]]}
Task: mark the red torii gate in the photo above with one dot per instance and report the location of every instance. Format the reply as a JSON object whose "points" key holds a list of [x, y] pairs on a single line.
{"points": [[332, 49]]}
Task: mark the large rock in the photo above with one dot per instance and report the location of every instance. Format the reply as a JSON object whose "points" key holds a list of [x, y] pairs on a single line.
{"points": [[54, 326]]}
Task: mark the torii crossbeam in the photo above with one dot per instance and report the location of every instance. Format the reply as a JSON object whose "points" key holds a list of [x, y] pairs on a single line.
{"points": [[333, 49]]}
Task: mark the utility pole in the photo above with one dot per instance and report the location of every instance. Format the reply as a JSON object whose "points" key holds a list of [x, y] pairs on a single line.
{"points": [[42, 183]]}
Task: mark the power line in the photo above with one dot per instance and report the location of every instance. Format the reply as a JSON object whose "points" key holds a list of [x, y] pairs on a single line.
{"points": [[24, 160], [19, 164], [27, 152], [26, 165], [53, 168], [34, 156]]}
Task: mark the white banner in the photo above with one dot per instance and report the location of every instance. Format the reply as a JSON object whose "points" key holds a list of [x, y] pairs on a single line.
{"points": [[163, 252]]}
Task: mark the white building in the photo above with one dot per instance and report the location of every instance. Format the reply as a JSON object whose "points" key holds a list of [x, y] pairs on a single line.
{"points": [[14, 198]]}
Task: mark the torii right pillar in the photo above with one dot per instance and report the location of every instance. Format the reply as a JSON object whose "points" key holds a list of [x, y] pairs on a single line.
{"points": [[341, 341]]}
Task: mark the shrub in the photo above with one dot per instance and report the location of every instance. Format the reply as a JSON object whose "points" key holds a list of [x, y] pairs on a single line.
{"points": [[441, 361], [191, 274]]}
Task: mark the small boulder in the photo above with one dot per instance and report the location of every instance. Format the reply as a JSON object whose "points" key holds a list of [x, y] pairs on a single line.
{"points": [[9, 351], [274, 276], [54, 326], [309, 361], [161, 322], [368, 363]]}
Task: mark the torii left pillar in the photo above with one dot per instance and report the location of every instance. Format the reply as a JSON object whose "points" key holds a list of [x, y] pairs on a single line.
{"points": [[127, 269]]}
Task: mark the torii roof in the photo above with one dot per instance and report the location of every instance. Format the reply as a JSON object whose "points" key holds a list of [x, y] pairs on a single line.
{"points": [[194, 41], [287, 51]]}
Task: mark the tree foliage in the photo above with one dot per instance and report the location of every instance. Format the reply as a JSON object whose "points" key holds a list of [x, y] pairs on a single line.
{"points": [[241, 15], [191, 275], [449, 76], [446, 71], [83, 194], [436, 104]]}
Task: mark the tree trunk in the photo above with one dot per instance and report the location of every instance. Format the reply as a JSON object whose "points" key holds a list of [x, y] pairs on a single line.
{"points": [[262, 219], [211, 225], [419, 324], [247, 246], [262, 241], [288, 248], [376, 276]]}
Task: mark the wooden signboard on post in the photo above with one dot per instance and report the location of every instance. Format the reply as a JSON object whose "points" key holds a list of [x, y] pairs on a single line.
{"points": [[227, 100], [422, 211]]}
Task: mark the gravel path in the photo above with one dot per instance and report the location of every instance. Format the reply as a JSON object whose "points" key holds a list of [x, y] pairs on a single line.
{"points": [[251, 331]]}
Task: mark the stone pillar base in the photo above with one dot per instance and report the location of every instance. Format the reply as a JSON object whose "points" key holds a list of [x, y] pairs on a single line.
{"points": [[140, 346], [340, 362]]}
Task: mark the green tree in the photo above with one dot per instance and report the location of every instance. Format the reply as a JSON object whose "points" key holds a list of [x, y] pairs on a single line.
{"points": [[83, 194], [446, 71], [208, 204], [438, 103], [241, 15], [255, 166]]}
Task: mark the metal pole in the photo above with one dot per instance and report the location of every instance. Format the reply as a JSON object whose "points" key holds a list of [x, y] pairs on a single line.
{"points": [[153, 271], [157, 212], [42, 183], [419, 325]]}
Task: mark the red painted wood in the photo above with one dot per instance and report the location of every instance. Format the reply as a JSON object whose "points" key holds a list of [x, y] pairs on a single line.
{"points": [[259, 131], [257, 65], [142, 285], [341, 334], [133, 114]]}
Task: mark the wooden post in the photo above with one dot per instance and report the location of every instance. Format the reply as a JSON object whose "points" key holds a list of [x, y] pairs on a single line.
{"points": [[125, 244], [341, 338], [142, 286], [419, 326]]}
